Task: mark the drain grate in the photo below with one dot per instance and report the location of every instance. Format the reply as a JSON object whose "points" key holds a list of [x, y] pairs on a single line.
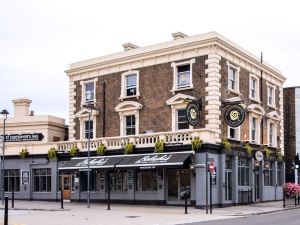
{"points": [[132, 217]]}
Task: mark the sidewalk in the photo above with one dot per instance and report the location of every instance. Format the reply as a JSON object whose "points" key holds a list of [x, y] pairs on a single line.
{"points": [[49, 213]]}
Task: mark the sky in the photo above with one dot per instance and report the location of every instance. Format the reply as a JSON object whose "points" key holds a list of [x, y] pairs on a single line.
{"points": [[39, 39]]}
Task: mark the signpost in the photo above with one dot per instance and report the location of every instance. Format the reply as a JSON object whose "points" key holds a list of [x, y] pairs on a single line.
{"points": [[23, 137], [211, 170]]}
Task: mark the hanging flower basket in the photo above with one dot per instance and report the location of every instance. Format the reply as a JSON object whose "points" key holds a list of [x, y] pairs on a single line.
{"points": [[52, 153], [248, 150], [74, 151], [196, 144], [101, 149], [226, 145], [159, 146], [23, 153], [128, 148]]}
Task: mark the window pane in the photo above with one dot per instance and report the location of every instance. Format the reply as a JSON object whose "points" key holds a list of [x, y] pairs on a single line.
{"points": [[88, 126], [232, 133], [131, 81], [89, 92], [130, 125], [183, 76], [231, 78], [182, 122]]}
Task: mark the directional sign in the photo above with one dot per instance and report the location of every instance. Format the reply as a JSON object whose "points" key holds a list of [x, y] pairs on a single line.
{"points": [[23, 137]]}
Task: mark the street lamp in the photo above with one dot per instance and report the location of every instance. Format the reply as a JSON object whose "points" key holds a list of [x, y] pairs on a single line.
{"points": [[4, 113], [90, 107]]}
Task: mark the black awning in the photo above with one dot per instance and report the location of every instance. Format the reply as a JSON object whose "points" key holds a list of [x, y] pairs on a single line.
{"points": [[95, 162], [154, 159]]}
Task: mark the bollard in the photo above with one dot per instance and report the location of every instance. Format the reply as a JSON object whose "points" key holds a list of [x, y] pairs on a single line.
{"points": [[13, 193], [283, 200], [210, 193], [185, 202], [6, 211], [61, 199], [108, 193]]}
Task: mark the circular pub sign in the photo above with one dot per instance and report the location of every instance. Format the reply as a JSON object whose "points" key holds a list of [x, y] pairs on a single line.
{"points": [[234, 115], [259, 156], [193, 113]]}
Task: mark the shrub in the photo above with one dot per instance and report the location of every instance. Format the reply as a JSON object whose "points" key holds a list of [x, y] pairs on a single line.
{"points": [[226, 145], [23, 153], [196, 143], [74, 151], [101, 149], [249, 150], [291, 189], [128, 148], [279, 156], [159, 146], [52, 153], [267, 152]]}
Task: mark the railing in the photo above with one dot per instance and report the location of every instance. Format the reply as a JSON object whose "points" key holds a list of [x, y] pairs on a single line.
{"points": [[142, 140], [289, 201]]}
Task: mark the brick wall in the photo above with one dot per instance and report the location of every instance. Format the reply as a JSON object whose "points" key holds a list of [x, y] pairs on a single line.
{"points": [[155, 85]]}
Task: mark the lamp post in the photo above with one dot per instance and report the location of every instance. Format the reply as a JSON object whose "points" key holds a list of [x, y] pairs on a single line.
{"points": [[90, 107], [4, 113]]}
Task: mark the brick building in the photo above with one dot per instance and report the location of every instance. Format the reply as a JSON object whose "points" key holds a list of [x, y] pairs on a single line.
{"points": [[291, 104], [129, 102]]}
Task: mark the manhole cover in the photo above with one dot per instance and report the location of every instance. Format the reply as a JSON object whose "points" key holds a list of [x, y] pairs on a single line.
{"points": [[132, 217]]}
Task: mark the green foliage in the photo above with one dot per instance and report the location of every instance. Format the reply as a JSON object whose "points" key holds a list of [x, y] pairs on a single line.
{"points": [[52, 153], [196, 143], [267, 152], [128, 148], [226, 145], [248, 149], [159, 146], [23, 153], [101, 149], [74, 151], [279, 155]]}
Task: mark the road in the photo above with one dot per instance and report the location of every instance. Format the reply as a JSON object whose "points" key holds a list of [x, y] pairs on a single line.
{"points": [[290, 217]]}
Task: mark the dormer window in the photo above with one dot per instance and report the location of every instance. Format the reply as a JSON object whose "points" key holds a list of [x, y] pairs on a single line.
{"points": [[182, 75], [88, 91], [130, 85]]}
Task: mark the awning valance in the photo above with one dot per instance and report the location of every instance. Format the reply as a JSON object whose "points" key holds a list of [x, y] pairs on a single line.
{"points": [[155, 159], [104, 162]]}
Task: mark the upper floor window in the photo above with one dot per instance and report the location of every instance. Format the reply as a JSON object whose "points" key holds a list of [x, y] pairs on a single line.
{"points": [[88, 91], [182, 75], [88, 129], [234, 133], [130, 125], [130, 84], [272, 133], [254, 127], [271, 95], [233, 78], [182, 122], [254, 87], [256, 112]]}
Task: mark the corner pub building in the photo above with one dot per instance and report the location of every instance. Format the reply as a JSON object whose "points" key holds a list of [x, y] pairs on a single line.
{"points": [[135, 102]]}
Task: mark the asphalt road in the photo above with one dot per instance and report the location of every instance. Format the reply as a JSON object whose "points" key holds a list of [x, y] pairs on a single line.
{"points": [[290, 217]]}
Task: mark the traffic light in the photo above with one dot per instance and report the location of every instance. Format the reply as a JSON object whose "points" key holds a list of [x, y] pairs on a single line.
{"points": [[296, 161]]}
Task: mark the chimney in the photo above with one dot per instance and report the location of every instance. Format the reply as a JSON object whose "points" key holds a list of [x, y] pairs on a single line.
{"points": [[128, 46], [178, 35], [31, 113], [21, 107]]}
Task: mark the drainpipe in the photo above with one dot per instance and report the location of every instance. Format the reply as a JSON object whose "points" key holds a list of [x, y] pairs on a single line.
{"points": [[261, 98], [104, 108]]}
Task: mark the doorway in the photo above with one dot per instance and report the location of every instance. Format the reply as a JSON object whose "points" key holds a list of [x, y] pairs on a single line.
{"points": [[67, 186], [256, 186], [228, 178], [179, 183]]}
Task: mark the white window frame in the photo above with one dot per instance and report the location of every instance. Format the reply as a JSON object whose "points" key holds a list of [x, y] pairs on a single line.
{"points": [[85, 128], [175, 77], [236, 89], [82, 121], [258, 128], [123, 84], [269, 85], [176, 119], [128, 108], [256, 98], [274, 141], [83, 95], [237, 133]]}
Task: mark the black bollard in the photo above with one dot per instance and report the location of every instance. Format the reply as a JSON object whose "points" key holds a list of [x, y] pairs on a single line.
{"points": [[185, 202], [210, 193], [13, 193], [283, 200], [61, 199], [6, 211], [108, 193]]}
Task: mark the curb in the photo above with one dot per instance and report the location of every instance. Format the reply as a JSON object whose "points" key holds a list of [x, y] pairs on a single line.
{"points": [[267, 212]]}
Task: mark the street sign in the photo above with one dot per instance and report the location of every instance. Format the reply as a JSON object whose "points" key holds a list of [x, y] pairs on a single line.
{"points": [[23, 137], [211, 167]]}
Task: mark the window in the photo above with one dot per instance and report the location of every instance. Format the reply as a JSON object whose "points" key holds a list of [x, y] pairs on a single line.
{"points": [[94, 180], [271, 134], [254, 88], [243, 172], [42, 180], [88, 129], [234, 133], [269, 174], [253, 129], [12, 177], [88, 91], [233, 78], [130, 125], [182, 75], [146, 180], [118, 181], [279, 175], [271, 95], [182, 122], [130, 84]]}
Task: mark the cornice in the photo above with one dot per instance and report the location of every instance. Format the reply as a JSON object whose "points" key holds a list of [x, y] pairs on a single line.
{"points": [[136, 58]]}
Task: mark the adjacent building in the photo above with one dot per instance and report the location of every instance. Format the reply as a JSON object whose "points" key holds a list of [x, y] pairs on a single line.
{"points": [[136, 102]]}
